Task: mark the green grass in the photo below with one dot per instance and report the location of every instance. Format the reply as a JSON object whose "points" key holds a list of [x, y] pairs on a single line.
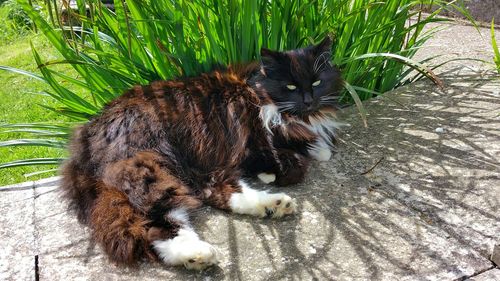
{"points": [[494, 44], [12, 25], [20, 96], [150, 40]]}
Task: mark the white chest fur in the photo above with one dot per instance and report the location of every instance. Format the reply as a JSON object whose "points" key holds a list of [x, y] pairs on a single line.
{"points": [[323, 126]]}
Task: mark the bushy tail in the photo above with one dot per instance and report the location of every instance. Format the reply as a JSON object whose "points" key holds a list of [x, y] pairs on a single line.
{"points": [[123, 232], [79, 189], [115, 224], [78, 184]]}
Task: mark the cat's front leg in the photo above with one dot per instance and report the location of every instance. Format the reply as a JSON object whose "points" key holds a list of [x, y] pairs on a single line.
{"points": [[267, 177], [242, 199], [261, 203], [291, 169]]}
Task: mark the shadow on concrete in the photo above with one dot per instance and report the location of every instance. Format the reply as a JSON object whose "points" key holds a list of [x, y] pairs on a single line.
{"points": [[428, 209]]}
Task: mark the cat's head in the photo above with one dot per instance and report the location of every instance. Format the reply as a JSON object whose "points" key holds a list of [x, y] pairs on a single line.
{"points": [[302, 81]]}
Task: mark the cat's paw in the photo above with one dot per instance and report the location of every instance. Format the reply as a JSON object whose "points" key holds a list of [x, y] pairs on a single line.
{"points": [[205, 256], [319, 153], [277, 205], [186, 249], [261, 203], [267, 178]]}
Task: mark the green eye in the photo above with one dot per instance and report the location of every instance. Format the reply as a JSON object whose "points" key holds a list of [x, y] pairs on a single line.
{"points": [[316, 83], [291, 87]]}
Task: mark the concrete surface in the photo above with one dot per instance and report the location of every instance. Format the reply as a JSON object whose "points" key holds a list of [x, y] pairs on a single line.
{"points": [[480, 10], [429, 210], [458, 41], [484, 10], [490, 275], [17, 243], [495, 256]]}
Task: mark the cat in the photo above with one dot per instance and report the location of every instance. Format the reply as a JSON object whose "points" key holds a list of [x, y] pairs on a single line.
{"points": [[161, 150]]}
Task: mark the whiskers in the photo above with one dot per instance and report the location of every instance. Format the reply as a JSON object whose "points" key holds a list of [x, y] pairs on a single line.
{"points": [[292, 107], [288, 106], [329, 100]]}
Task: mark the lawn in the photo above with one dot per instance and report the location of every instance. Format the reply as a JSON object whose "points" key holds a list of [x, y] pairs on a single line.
{"points": [[21, 98]]}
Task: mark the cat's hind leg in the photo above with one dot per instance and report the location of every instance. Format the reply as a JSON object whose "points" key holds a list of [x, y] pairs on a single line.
{"points": [[127, 236], [119, 228], [240, 198], [185, 248], [143, 210]]}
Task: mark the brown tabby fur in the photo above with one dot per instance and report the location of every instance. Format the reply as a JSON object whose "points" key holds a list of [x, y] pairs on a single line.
{"points": [[171, 144]]}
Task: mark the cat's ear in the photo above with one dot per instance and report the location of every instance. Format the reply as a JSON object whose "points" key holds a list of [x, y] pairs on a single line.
{"points": [[324, 46], [269, 57]]}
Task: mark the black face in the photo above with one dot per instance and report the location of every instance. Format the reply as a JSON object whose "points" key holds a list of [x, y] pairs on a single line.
{"points": [[301, 81]]}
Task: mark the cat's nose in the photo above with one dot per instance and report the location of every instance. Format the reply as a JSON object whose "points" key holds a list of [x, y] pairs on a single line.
{"points": [[308, 100]]}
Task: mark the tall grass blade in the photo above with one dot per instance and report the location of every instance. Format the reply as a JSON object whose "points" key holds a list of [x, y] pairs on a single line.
{"points": [[354, 94], [495, 45], [31, 162]]}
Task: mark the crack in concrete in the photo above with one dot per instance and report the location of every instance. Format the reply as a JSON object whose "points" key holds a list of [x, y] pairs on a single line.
{"points": [[37, 274], [36, 243], [476, 273]]}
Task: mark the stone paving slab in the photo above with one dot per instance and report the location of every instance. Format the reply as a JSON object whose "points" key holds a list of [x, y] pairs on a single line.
{"points": [[17, 243], [490, 275], [458, 42], [495, 255], [427, 211]]}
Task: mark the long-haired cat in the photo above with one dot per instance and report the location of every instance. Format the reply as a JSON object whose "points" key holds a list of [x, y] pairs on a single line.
{"points": [[160, 150]]}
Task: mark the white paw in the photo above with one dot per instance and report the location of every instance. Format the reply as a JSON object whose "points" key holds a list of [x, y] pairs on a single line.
{"points": [[320, 153], [267, 178], [277, 205], [261, 203], [205, 256], [186, 249]]}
